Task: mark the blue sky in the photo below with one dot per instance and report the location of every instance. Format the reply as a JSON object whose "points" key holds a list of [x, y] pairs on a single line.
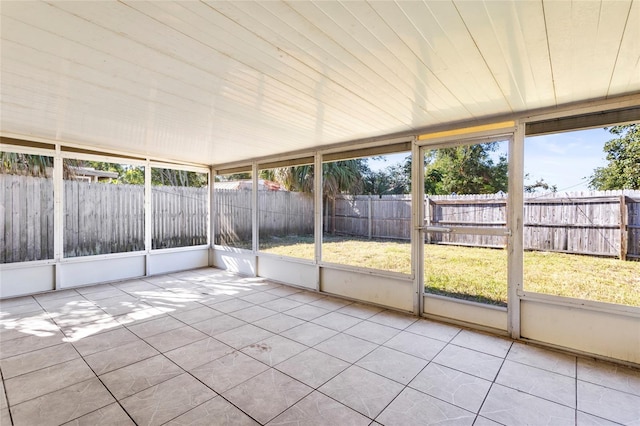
{"points": [[563, 159], [566, 159]]}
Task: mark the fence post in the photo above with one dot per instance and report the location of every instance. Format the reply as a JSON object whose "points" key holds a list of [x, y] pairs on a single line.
{"points": [[333, 216], [427, 210], [369, 216], [623, 228], [326, 217]]}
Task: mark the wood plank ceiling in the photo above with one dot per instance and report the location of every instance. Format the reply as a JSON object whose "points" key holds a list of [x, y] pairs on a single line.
{"points": [[215, 82]]}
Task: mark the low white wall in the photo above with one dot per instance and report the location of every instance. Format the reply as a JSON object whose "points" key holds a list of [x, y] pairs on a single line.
{"points": [[37, 277], [396, 293], [239, 261], [162, 262], [298, 273], [90, 270], [446, 308], [581, 328], [21, 279]]}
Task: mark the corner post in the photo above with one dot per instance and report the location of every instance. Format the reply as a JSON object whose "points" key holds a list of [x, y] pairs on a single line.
{"points": [[58, 215], [515, 240], [417, 234]]}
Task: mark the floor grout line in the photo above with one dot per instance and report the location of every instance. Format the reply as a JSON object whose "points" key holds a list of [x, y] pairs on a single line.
{"points": [[576, 388], [484, 400], [111, 393], [6, 397], [421, 370]]}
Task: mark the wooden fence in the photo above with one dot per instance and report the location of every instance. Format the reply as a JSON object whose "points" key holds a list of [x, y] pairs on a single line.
{"points": [[232, 216], [280, 213], [388, 216], [26, 218], [179, 216], [285, 213], [98, 218], [602, 223], [103, 218]]}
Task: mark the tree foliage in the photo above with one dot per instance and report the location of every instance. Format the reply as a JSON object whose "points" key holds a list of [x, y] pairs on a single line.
{"points": [[623, 156], [237, 176], [468, 169], [173, 177], [352, 177], [40, 165], [134, 175], [463, 170], [343, 177], [392, 180], [539, 184], [24, 164], [338, 177]]}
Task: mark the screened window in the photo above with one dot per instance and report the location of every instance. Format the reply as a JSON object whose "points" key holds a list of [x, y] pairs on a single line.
{"points": [[103, 208], [285, 210], [26, 207], [582, 214], [367, 212], [179, 208], [232, 201]]}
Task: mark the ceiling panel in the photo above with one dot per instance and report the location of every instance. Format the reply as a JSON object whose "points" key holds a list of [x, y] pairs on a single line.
{"points": [[626, 72], [428, 98], [597, 29], [514, 48], [215, 82], [447, 49], [301, 25]]}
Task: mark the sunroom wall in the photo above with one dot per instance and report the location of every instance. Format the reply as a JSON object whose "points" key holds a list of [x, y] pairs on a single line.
{"points": [[604, 330], [597, 329], [66, 269]]}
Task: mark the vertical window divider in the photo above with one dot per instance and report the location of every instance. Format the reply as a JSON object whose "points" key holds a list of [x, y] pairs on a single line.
{"points": [[515, 217], [417, 239], [211, 231], [254, 207], [147, 213], [58, 214], [317, 213]]}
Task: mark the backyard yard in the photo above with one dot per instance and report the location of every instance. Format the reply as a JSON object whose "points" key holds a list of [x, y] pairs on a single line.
{"points": [[480, 274]]}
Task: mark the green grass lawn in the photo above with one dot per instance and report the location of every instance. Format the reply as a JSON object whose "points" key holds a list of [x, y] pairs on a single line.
{"points": [[480, 274]]}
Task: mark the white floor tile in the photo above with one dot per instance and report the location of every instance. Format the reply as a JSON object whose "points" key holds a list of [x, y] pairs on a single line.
{"points": [[511, 407]]}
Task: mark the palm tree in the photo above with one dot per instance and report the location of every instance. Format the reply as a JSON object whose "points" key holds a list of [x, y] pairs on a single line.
{"points": [[342, 177], [338, 177]]}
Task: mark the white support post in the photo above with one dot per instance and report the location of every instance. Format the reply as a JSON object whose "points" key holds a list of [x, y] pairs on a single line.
{"points": [[317, 213], [515, 212], [211, 229], [417, 235], [254, 208], [58, 214], [148, 216], [369, 217]]}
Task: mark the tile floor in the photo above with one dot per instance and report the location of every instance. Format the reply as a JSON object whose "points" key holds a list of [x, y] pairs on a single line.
{"points": [[208, 347]]}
